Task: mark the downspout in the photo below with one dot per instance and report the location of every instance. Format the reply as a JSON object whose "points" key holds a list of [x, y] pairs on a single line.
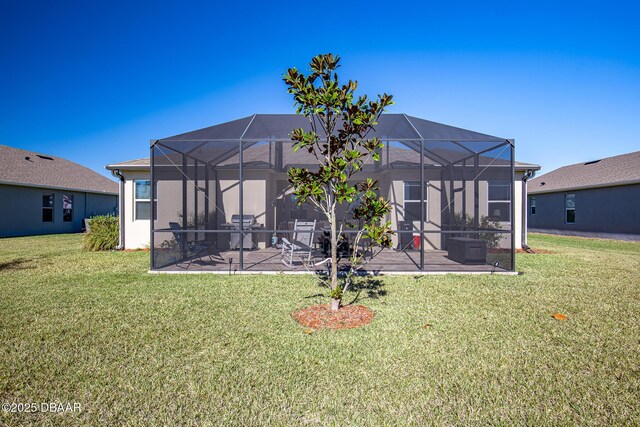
{"points": [[525, 212], [117, 174]]}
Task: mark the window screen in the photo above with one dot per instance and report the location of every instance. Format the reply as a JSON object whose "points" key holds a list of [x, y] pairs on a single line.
{"points": [[570, 208], [499, 201], [532, 205], [142, 199], [412, 197], [47, 208], [67, 208]]}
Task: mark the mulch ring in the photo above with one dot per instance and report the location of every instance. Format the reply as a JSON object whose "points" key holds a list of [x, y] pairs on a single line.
{"points": [[321, 316]]}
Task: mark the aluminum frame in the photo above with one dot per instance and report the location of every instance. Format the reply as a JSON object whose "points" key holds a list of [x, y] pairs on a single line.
{"points": [[425, 147]]}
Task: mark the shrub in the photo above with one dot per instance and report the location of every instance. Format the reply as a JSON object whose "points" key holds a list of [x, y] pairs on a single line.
{"points": [[466, 222], [103, 234]]}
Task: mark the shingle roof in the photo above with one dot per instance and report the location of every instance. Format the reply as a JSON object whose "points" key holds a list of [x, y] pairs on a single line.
{"points": [[612, 171], [22, 167], [130, 164]]}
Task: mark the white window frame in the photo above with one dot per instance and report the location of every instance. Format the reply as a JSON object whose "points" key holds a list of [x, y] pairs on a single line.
{"points": [[51, 208], [426, 198], [136, 201], [508, 200], [70, 196], [566, 209], [532, 205]]}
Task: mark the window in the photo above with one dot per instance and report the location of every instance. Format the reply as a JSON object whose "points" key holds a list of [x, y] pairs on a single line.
{"points": [[412, 197], [67, 208], [142, 199], [47, 208], [570, 209], [532, 205], [499, 201]]}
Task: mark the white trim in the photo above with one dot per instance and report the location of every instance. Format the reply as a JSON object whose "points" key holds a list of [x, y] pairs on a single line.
{"points": [[526, 166], [566, 209], [426, 199], [124, 167], [504, 183], [127, 167], [72, 203], [52, 207], [134, 209], [523, 167], [532, 205], [387, 273]]}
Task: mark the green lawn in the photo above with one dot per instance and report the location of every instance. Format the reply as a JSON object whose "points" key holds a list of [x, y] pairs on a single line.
{"points": [[134, 348]]}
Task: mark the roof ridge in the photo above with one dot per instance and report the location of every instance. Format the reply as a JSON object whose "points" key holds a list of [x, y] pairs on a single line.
{"points": [[596, 161], [30, 151]]}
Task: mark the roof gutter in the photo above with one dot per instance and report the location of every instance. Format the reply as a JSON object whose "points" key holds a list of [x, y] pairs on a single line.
{"points": [[127, 167], [523, 239], [116, 173], [56, 187]]}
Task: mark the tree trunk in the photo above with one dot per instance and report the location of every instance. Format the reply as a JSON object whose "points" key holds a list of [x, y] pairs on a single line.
{"points": [[334, 258]]}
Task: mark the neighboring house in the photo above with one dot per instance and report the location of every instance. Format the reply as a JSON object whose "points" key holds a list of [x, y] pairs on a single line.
{"points": [[265, 184], [43, 194], [596, 198]]}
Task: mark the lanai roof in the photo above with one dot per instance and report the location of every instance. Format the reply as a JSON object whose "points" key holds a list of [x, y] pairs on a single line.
{"points": [[444, 144], [276, 127], [447, 144]]}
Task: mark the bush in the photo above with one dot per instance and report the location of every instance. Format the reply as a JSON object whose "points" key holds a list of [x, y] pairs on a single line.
{"points": [[103, 234], [466, 222]]}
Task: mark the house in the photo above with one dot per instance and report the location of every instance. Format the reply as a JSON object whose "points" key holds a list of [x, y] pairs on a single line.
{"points": [[204, 179], [596, 198], [44, 194]]}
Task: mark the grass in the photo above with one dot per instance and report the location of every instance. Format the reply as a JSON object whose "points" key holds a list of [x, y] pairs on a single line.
{"points": [[138, 349]]}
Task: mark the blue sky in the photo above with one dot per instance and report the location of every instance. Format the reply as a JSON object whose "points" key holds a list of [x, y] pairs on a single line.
{"points": [[94, 81]]}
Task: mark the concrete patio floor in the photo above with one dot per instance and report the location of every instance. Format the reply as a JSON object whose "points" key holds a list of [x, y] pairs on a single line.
{"points": [[268, 260]]}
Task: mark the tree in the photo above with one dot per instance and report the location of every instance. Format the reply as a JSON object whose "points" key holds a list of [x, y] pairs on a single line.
{"points": [[339, 140]]}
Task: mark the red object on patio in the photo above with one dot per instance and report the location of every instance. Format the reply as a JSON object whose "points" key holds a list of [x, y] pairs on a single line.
{"points": [[416, 242]]}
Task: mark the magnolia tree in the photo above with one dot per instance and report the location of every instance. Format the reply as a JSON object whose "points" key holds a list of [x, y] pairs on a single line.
{"points": [[339, 139]]}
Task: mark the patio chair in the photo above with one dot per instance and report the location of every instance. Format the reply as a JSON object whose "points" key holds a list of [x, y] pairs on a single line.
{"points": [[186, 247], [302, 245]]}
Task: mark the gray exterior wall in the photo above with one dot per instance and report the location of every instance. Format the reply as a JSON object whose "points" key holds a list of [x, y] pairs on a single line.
{"points": [[605, 210], [22, 210]]}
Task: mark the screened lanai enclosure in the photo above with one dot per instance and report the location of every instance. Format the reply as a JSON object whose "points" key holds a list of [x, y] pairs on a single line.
{"points": [[222, 202]]}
